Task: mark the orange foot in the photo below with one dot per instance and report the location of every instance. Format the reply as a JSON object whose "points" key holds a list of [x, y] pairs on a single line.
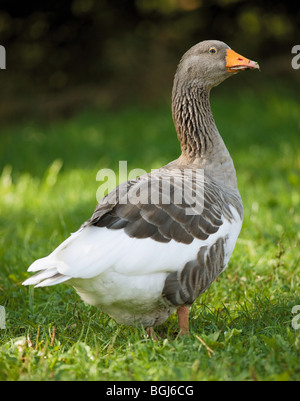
{"points": [[183, 320]]}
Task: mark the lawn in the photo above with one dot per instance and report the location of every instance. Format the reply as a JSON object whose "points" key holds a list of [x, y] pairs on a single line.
{"points": [[241, 328]]}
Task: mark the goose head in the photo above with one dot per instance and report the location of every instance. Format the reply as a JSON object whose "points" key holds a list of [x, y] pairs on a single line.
{"points": [[209, 63]]}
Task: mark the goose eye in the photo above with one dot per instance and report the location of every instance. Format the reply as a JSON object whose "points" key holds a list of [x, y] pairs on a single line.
{"points": [[212, 50]]}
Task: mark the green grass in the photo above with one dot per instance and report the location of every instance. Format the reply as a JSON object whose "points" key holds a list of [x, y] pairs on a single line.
{"points": [[241, 328]]}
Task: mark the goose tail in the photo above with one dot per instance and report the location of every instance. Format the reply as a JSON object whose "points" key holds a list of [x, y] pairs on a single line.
{"points": [[48, 273]]}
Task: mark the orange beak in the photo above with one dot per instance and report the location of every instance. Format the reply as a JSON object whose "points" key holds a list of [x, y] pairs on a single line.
{"points": [[235, 62]]}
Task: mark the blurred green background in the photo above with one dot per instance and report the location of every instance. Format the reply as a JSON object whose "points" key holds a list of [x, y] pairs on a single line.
{"points": [[66, 55]]}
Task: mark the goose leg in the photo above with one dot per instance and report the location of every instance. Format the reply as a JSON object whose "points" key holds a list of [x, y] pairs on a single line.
{"points": [[183, 320], [150, 332]]}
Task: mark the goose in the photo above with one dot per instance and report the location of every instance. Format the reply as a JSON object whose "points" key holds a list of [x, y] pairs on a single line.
{"points": [[150, 247]]}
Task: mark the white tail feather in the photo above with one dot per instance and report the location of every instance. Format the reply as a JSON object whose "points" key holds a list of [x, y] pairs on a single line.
{"points": [[48, 272], [47, 263], [53, 281]]}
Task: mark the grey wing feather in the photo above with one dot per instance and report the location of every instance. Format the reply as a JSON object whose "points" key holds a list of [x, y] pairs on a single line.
{"points": [[160, 220], [183, 287]]}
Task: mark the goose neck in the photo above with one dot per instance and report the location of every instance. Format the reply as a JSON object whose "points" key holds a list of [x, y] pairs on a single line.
{"points": [[201, 143], [194, 121]]}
